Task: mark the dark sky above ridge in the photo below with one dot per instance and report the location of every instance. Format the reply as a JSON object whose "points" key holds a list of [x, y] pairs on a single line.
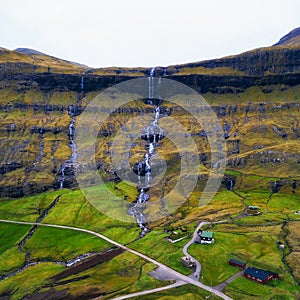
{"points": [[145, 33]]}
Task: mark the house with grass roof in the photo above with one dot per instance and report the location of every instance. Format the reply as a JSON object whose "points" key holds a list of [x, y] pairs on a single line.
{"points": [[253, 210], [205, 237]]}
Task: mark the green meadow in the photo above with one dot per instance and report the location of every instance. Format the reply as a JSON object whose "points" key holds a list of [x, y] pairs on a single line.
{"points": [[252, 239]]}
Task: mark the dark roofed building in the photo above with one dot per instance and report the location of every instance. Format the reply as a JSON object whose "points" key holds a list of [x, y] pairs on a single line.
{"points": [[237, 263], [259, 275]]}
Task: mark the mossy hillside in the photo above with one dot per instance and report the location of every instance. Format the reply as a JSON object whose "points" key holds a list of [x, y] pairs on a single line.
{"points": [[11, 260], [255, 171], [16, 62], [291, 233], [120, 71], [257, 62], [258, 118], [219, 71], [11, 96], [265, 136], [37, 157]]}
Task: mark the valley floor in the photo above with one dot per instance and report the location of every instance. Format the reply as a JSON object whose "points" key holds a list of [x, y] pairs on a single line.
{"points": [[75, 254]]}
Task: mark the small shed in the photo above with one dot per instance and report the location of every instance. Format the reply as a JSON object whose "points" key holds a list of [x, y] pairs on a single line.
{"points": [[237, 263]]}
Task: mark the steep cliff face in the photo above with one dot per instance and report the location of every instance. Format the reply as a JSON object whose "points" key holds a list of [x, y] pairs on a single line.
{"points": [[255, 95], [51, 82]]}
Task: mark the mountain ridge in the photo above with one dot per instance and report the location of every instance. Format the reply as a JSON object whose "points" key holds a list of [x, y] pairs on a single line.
{"points": [[288, 43], [30, 51], [292, 38]]}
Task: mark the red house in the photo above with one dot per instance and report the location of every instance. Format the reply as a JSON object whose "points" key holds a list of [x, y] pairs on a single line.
{"points": [[237, 263], [258, 275]]}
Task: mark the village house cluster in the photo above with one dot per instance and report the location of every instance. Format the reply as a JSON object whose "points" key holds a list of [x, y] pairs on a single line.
{"points": [[252, 273]]}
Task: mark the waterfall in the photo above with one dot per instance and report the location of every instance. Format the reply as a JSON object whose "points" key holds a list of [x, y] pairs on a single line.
{"points": [[157, 111], [152, 71], [149, 88], [82, 83], [72, 143], [151, 83], [141, 196], [62, 177], [231, 184], [152, 134], [151, 148], [73, 157]]}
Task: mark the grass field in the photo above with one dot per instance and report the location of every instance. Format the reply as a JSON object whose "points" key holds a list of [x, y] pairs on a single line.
{"points": [[251, 239], [62, 245], [10, 257], [28, 208], [155, 246], [53, 244], [243, 288], [257, 249]]}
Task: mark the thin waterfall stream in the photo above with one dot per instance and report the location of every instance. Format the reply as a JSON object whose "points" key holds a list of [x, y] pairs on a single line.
{"points": [[73, 157]]}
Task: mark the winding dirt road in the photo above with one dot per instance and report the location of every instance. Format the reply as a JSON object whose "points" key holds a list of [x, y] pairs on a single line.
{"points": [[197, 272]]}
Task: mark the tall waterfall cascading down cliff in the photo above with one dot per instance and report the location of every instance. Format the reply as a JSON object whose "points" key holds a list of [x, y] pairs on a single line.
{"points": [[73, 157], [152, 134]]}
